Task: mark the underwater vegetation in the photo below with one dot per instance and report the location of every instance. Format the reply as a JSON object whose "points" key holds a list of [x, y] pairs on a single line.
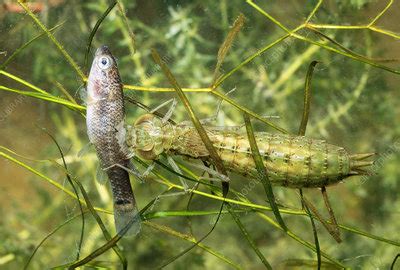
{"points": [[328, 70]]}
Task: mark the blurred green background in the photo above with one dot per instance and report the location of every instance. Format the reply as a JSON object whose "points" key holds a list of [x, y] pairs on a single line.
{"points": [[354, 105]]}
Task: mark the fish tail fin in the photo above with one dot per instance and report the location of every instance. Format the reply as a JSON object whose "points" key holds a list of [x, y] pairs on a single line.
{"points": [[358, 164], [126, 218], [126, 215]]}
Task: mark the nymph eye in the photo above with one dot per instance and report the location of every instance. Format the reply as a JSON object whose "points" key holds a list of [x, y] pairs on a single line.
{"points": [[104, 62]]}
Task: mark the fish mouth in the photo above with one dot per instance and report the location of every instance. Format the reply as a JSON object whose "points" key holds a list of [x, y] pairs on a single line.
{"points": [[103, 49]]}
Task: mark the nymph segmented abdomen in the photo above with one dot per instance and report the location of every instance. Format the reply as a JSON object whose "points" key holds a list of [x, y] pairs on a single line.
{"points": [[291, 161]]}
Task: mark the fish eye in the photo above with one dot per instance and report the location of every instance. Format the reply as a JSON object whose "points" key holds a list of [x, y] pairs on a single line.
{"points": [[104, 62]]}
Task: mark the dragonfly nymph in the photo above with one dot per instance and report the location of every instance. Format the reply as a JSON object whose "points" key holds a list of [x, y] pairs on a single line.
{"points": [[290, 161]]}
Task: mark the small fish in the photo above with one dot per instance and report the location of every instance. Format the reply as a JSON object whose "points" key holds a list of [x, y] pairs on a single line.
{"points": [[291, 161], [105, 116]]}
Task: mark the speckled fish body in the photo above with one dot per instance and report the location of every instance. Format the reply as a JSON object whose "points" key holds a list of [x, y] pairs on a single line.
{"points": [[104, 117], [290, 161]]}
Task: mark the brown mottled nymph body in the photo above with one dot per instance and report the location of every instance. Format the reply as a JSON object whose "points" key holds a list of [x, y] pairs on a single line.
{"points": [[291, 161], [104, 118]]}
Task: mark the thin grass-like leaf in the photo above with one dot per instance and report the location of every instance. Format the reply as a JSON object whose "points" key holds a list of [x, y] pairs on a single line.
{"points": [[248, 237], [110, 244], [22, 81], [75, 191], [249, 59], [191, 239], [46, 97], [302, 132], [247, 111], [301, 241], [106, 234], [67, 57], [200, 129], [312, 13], [188, 213], [122, 11], [26, 44], [308, 264], [262, 173], [347, 54], [48, 179], [226, 45], [94, 30], [49, 235], [164, 89], [65, 92], [293, 33], [348, 50], [204, 137], [307, 99], [394, 261], [315, 234]]}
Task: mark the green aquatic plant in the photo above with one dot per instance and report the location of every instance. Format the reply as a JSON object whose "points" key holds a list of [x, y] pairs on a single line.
{"points": [[352, 104]]}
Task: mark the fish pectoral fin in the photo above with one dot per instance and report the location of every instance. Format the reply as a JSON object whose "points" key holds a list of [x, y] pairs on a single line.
{"points": [[84, 150], [101, 176], [83, 94]]}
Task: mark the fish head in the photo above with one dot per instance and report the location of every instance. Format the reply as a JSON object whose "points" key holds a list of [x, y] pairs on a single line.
{"points": [[104, 80]]}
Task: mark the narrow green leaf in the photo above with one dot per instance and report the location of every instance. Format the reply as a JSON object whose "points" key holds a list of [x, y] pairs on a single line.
{"points": [[189, 238], [122, 11], [301, 241], [75, 191], [262, 173], [315, 233], [308, 264], [47, 97], [347, 54], [226, 45], [110, 244], [20, 49], [250, 59], [394, 261], [49, 235], [307, 99], [350, 51], [67, 57], [248, 237], [200, 129], [106, 234], [206, 140], [302, 132], [245, 110], [94, 30], [46, 178]]}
